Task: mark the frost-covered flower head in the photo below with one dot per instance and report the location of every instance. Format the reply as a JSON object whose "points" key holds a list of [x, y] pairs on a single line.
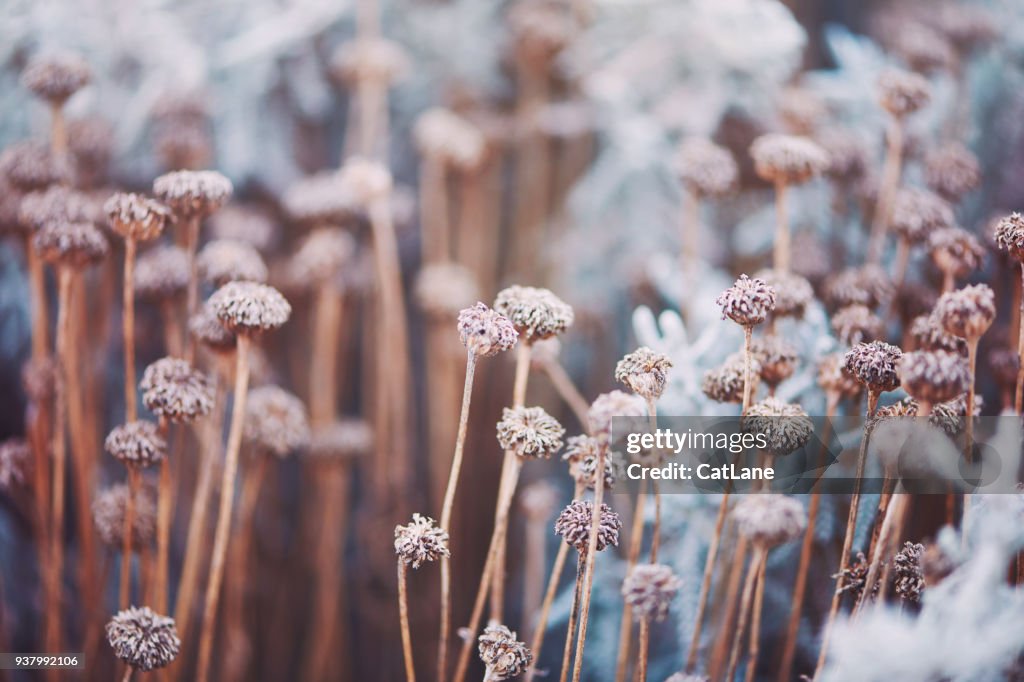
{"points": [[847, 158], [221, 261], [787, 158], [875, 365], [793, 293], [275, 421], [70, 244], [834, 377], [486, 332], [576, 521], [322, 256], [856, 323], [724, 384], [56, 77], [193, 193], [705, 168], [250, 308], [952, 171], [929, 333], [613, 404], [503, 654], [444, 289], [171, 388], [161, 273], [536, 313], [1009, 235], [747, 302], [645, 372], [208, 330], [248, 224], [143, 639], [29, 166], [530, 432], [934, 376], [583, 455], [916, 213], [420, 541], [785, 426], [770, 520], [136, 444], [133, 215], [901, 93], [967, 312], [776, 358], [956, 251], [649, 589], [320, 200]]}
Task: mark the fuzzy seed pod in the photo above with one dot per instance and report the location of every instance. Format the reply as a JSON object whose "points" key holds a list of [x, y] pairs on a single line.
{"points": [[793, 293], [320, 200], [967, 312], [934, 376], [530, 432], [56, 204], [787, 159], [875, 365], [834, 377], [173, 390], [161, 273], [137, 444], [725, 384], [322, 256], [449, 138], [109, 509], [56, 77], [908, 577], [486, 332], [645, 372], [901, 93], [143, 639], [133, 215], [747, 302], [649, 589], [341, 440], [952, 171], [613, 404], [847, 159], [275, 421], [955, 250], [801, 110], [222, 261], [208, 330], [786, 427], [582, 454], [30, 166], [369, 59], [535, 313], [504, 655], [249, 307], [577, 519], [855, 577], [916, 213], [929, 333], [777, 359], [244, 224], [193, 193], [770, 520], [706, 169], [444, 289], [420, 541], [1009, 235], [72, 244], [855, 323], [15, 463]]}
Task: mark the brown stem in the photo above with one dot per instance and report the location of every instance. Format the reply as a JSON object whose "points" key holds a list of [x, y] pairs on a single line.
{"points": [[58, 130], [749, 585], [323, 359], [886, 537], [636, 538], [192, 295], [748, 332], [948, 280], [595, 526], [128, 321], [732, 595], [891, 172], [403, 613], [227, 489], [782, 238], [171, 327], [899, 273], [163, 519], [545, 609], [40, 306], [972, 364], [705, 583], [128, 670], [1019, 395], [127, 534], [755, 626], [568, 392], [573, 615], [434, 219]]}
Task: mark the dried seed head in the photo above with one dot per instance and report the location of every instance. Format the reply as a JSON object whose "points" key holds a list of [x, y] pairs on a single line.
{"points": [[613, 404], [244, 224], [504, 655], [535, 313], [747, 302], [369, 60], [56, 204], [444, 289], [341, 440], [322, 256], [793, 293], [577, 519], [847, 159], [173, 390], [967, 312], [901, 93], [770, 520], [868, 286], [875, 365], [725, 384], [856, 323], [108, 512], [786, 427], [143, 639], [916, 213], [706, 169], [950, 416], [56, 77], [183, 144], [1004, 363], [365, 180], [952, 171], [1009, 235], [15, 463], [530, 432], [912, 300], [486, 332], [136, 444], [908, 577], [538, 500], [208, 330], [30, 166], [934, 376], [583, 453], [924, 50], [929, 333], [91, 142], [855, 577], [801, 110], [649, 589], [777, 359], [645, 372], [275, 421], [420, 541], [72, 244], [161, 273], [222, 261], [834, 377], [789, 159], [320, 200], [447, 137], [956, 251], [193, 193], [133, 215], [250, 308]]}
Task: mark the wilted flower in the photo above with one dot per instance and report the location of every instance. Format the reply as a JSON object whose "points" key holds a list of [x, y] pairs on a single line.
{"points": [[486, 332], [967, 312], [143, 639], [934, 376], [536, 313], [747, 302], [725, 384], [793, 293], [908, 577], [901, 93], [952, 171], [875, 365], [929, 333], [250, 308], [529, 432], [787, 158], [30, 166], [955, 251], [916, 213], [776, 359], [193, 193], [613, 404], [137, 443], [133, 215], [221, 261], [172, 389], [649, 589], [504, 655], [856, 323], [1009, 235], [420, 541], [56, 77], [577, 519], [72, 244], [706, 169], [275, 421], [161, 273], [834, 377], [847, 158], [645, 372], [785, 427], [109, 509]]}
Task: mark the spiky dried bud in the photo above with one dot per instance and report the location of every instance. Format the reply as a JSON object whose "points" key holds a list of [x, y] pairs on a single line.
{"points": [[747, 302], [246, 224], [109, 509], [583, 454], [834, 377], [193, 193], [576, 521], [535, 313], [967, 312], [275, 421], [901, 93], [486, 332], [1009, 235], [71, 244], [929, 333], [645, 372], [161, 273], [855, 577], [222, 261], [924, 50], [908, 577], [786, 427], [56, 204], [952, 171], [787, 159], [956, 251], [613, 404], [724, 384], [30, 166], [15, 463], [916, 213], [503, 654], [136, 444], [777, 359], [449, 138], [770, 520], [793, 293], [875, 364], [56, 77], [143, 639], [420, 541], [529, 432], [322, 256], [249, 307], [208, 330], [369, 59], [649, 589], [934, 376], [320, 200], [136, 216], [444, 289], [172, 389], [856, 323], [341, 440], [847, 159], [707, 169], [867, 285]]}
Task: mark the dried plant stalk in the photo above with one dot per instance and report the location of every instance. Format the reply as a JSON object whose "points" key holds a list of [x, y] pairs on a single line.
{"points": [[588, 586], [128, 329], [573, 615], [891, 172], [755, 627], [192, 293], [165, 493], [749, 586], [568, 392], [403, 611], [782, 235]]}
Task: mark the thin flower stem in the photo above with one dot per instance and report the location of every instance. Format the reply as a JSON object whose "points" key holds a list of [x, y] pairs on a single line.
{"points": [[1018, 401], [732, 596], [574, 610], [755, 626], [434, 214], [705, 584], [58, 130], [782, 237], [403, 613], [636, 537], [753, 571], [192, 295], [127, 532], [595, 527], [748, 333], [128, 670], [568, 392], [644, 643], [40, 306], [128, 321], [890, 182], [545, 609], [163, 517]]}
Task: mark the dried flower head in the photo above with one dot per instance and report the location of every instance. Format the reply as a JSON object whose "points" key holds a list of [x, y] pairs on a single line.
{"points": [[950, 416], [504, 655], [249, 307], [952, 171], [875, 365], [867, 285], [847, 158], [645, 372], [529, 432], [143, 639], [222, 261], [801, 109], [901, 93], [56, 203], [193, 193], [855, 577], [535, 313], [724, 384], [770, 520], [486, 332], [136, 444], [15, 463], [56, 77], [369, 59], [705, 168], [341, 440], [967, 312], [322, 256], [787, 159], [320, 200], [747, 302], [208, 330], [275, 421], [776, 357], [444, 289], [785, 426], [649, 589], [583, 455], [916, 213], [577, 519], [161, 273], [71, 244], [793, 293], [613, 404], [1009, 235], [366, 180], [907, 574], [109, 509], [183, 144], [856, 323], [136, 216], [91, 143], [246, 224], [420, 541], [934, 376], [834, 377], [450, 139], [929, 333], [172, 389], [955, 251], [29, 166]]}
